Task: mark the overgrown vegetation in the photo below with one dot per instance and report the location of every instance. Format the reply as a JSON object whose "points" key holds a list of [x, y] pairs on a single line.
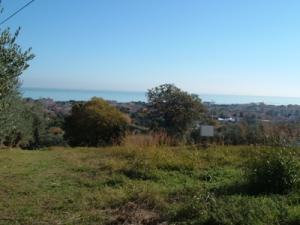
{"points": [[276, 172], [134, 185]]}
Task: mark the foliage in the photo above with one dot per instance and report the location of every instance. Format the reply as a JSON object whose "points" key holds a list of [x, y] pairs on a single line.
{"points": [[13, 61], [18, 123], [95, 123], [274, 173], [244, 132], [40, 131], [173, 110], [26, 125], [49, 139], [14, 123]]}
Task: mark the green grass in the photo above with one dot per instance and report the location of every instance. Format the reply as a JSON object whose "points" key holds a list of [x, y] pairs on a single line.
{"points": [[123, 185]]}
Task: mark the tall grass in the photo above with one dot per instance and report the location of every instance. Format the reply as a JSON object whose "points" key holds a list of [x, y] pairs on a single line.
{"points": [[138, 185], [274, 173], [155, 139]]}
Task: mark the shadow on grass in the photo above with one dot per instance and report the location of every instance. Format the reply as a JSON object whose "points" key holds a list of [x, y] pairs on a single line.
{"points": [[138, 175], [114, 182], [238, 188], [292, 222]]}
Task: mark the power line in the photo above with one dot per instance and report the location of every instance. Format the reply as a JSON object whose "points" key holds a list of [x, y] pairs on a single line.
{"points": [[15, 13]]}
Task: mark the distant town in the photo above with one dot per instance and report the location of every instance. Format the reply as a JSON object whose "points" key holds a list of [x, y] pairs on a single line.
{"points": [[226, 113]]}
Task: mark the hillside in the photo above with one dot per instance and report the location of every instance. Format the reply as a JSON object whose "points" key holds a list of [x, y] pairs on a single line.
{"points": [[131, 185]]}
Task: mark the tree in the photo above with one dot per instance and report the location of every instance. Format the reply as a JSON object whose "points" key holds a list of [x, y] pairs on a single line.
{"points": [[13, 61], [95, 123], [26, 125], [173, 110]]}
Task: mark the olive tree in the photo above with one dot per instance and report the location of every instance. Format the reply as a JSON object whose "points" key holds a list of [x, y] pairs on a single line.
{"points": [[13, 61]]}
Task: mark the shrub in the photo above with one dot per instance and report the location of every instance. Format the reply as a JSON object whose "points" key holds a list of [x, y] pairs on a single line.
{"points": [[273, 173], [95, 123], [49, 140]]}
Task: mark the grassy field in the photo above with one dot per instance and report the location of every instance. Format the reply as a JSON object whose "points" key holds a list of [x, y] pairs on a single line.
{"points": [[130, 185]]}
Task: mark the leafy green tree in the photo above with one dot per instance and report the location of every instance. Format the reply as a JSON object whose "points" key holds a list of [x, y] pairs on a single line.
{"points": [[27, 127], [173, 110], [13, 61], [95, 123]]}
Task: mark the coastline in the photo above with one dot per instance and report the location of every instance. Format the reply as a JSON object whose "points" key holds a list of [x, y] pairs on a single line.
{"points": [[132, 96]]}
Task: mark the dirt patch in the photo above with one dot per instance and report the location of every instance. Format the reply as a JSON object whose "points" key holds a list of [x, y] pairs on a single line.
{"points": [[133, 214]]}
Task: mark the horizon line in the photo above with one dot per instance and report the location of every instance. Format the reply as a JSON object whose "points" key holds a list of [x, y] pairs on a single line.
{"points": [[135, 91]]}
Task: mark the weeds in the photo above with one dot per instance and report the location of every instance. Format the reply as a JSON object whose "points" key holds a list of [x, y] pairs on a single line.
{"points": [[135, 185], [274, 173]]}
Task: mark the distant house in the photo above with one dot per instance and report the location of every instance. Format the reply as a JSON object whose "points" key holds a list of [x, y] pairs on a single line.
{"points": [[229, 119]]}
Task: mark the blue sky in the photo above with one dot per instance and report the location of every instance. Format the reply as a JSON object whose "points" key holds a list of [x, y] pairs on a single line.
{"points": [[249, 47]]}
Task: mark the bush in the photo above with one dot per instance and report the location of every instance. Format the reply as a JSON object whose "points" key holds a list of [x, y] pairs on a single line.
{"points": [[95, 123], [49, 140], [276, 173]]}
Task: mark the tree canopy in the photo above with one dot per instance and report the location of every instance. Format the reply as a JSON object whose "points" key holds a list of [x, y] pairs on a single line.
{"points": [[173, 110]]}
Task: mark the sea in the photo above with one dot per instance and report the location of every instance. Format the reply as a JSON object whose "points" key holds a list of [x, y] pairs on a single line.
{"points": [[129, 96]]}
